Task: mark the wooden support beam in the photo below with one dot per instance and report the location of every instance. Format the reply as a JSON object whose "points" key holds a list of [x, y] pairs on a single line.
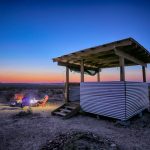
{"points": [[67, 85], [82, 70], [122, 69], [75, 65], [98, 75], [144, 74], [129, 57]]}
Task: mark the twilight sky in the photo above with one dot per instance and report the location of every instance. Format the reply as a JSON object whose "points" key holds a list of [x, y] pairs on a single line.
{"points": [[32, 32]]}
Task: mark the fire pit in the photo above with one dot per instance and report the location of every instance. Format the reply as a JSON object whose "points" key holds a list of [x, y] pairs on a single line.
{"points": [[28, 99]]}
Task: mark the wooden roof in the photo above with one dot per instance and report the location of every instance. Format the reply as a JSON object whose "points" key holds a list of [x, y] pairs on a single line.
{"points": [[107, 55]]}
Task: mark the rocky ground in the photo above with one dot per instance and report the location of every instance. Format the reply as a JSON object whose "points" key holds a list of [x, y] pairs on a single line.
{"points": [[40, 130], [78, 140]]}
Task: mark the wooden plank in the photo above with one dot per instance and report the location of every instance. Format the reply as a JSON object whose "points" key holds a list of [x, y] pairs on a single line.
{"points": [[122, 69], [60, 113], [90, 56], [94, 67], [70, 107], [77, 65], [129, 46], [57, 109], [144, 74], [98, 75], [129, 57], [82, 70], [67, 85], [73, 112], [65, 110]]}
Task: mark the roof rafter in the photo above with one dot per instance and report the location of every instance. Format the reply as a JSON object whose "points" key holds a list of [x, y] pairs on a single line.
{"points": [[93, 50], [90, 67], [107, 55], [129, 57]]}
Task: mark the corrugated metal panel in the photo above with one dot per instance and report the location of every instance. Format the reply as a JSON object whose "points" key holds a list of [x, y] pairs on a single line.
{"points": [[136, 98], [120, 100], [104, 98], [74, 93]]}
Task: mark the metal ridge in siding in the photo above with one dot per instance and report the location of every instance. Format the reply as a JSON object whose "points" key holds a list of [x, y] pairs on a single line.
{"points": [[120, 100], [103, 98], [137, 98]]}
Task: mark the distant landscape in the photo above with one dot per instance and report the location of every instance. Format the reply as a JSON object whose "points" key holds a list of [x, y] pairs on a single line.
{"points": [[30, 85], [54, 90]]}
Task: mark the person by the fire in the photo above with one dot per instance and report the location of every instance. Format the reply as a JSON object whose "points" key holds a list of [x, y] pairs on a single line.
{"points": [[26, 104], [43, 101]]}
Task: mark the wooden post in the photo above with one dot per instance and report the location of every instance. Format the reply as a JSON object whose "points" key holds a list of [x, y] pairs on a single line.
{"points": [[144, 73], [67, 85], [98, 75], [122, 69], [82, 70]]}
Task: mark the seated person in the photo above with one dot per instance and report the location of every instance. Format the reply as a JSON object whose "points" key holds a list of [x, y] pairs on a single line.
{"points": [[26, 104], [16, 100], [43, 101], [26, 101]]}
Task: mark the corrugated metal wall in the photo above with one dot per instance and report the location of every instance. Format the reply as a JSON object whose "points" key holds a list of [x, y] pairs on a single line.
{"points": [[74, 92], [119, 100], [136, 98]]}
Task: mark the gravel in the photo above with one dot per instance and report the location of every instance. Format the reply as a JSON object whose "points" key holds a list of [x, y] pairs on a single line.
{"points": [[76, 140], [36, 131]]}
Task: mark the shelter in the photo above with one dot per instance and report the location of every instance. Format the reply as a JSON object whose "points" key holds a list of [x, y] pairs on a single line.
{"points": [[117, 99]]}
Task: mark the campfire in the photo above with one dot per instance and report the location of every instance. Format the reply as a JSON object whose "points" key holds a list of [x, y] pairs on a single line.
{"points": [[33, 101], [28, 100]]}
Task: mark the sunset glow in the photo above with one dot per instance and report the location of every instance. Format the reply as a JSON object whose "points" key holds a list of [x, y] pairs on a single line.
{"points": [[49, 77], [32, 33]]}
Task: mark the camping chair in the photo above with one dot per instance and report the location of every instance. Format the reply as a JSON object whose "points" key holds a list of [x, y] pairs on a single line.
{"points": [[43, 102], [18, 98]]}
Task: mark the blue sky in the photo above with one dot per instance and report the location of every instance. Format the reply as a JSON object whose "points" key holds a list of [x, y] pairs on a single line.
{"points": [[33, 32]]}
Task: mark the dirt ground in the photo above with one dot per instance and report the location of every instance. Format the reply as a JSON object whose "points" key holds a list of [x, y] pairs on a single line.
{"points": [[35, 131]]}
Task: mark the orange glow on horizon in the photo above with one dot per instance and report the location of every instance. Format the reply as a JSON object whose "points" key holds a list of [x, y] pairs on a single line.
{"points": [[44, 78], [51, 77], [30, 78]]}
